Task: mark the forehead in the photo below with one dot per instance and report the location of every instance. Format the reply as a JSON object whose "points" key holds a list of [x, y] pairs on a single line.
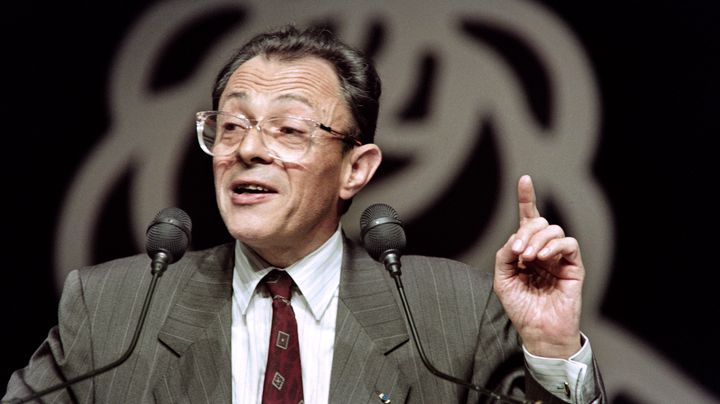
{"points": [[310, 80]]}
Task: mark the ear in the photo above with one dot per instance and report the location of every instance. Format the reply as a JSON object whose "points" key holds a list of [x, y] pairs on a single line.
{"points": [[359, 166]]}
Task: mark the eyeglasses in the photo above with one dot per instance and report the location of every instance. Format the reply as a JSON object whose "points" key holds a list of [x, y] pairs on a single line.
{"points": [[287, 138]]}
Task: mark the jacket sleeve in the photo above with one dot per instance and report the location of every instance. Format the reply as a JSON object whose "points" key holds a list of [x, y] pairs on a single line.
{"points": [[64, 354], [499, 343]]}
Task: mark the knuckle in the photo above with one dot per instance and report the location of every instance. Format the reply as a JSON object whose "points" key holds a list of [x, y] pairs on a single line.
{"points": [[556, 229], [539, 222]]}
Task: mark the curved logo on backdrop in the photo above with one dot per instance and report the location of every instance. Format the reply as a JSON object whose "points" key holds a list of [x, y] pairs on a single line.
{"points": [[472, 82]]}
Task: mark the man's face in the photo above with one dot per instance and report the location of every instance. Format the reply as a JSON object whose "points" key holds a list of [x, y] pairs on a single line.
{"points": [[283, 211]]}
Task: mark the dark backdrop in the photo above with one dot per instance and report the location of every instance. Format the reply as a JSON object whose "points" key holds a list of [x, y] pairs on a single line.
{"points": [[657, 72]]}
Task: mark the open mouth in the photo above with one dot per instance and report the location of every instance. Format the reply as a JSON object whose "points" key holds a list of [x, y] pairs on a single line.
{"points": [[251, 189]]}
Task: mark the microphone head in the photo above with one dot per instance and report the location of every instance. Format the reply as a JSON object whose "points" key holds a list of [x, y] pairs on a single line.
{"points": [[382, 231], [169, 232]]}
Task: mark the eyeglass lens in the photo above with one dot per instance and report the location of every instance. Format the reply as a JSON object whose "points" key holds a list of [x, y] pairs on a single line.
{"points": [[286, 137]]}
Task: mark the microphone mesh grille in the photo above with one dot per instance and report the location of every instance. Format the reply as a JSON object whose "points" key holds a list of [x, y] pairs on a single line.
{"points": [[383, 237], [169, 232]]}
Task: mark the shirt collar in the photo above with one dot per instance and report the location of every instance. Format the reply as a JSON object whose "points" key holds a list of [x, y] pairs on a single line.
{"points": [[317, 275]]}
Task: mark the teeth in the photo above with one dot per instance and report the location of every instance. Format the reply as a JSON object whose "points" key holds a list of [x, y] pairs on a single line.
{"points": [[251, 188], [256, 188]]}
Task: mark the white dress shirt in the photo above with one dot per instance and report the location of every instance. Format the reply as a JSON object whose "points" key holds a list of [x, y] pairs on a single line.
{"points": [[317, 277], [571, 380]]}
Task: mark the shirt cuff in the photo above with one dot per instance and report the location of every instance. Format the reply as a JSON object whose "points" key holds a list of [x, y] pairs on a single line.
{"points": [[571, 380]]}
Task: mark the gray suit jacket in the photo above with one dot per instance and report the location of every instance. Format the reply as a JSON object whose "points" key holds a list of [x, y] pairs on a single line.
{"points": [[183, 355]]}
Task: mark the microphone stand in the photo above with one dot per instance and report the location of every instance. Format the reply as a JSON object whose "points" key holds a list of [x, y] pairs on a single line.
{"points": [[392, 264], [159, 264]]}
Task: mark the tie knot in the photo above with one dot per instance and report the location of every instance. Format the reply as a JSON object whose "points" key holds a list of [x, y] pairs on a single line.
{"points": [[278, 283]]}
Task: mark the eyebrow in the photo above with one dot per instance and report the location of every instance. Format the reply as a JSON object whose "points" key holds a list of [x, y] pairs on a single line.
{"points": [[238, 94], [283, 97], [296, 97]]}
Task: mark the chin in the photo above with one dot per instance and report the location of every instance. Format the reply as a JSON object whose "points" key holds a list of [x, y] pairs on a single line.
{"points": [[249, 230]]}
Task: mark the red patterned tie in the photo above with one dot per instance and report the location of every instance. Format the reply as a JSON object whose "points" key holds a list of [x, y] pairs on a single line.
{"points": [[283, 377]]}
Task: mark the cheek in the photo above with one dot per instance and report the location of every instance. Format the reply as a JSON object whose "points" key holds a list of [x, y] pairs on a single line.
{"points": [[321, 189], [220, 167]]}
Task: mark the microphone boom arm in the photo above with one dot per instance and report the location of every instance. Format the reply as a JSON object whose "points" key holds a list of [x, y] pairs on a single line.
{"points": [[168, 236], [156, 274], [416, 340]]}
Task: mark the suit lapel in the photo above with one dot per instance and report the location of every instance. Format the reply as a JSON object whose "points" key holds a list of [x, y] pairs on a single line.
{"points": [[197, 330], [369, 327]]}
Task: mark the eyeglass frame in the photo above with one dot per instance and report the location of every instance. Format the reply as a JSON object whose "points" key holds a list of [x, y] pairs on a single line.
{"points": [[201, 116]]}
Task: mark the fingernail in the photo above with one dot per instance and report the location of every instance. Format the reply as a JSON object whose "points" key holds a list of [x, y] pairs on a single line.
{"points": [[545, 251], [517, 245], [529, 250]]}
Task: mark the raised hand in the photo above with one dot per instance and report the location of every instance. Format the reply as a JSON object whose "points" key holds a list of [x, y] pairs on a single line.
{"points": [[538, 279]]}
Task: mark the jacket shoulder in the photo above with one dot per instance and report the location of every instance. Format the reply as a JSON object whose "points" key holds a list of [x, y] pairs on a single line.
{"points": [[419, 265], [139, 264], [124, 276]]}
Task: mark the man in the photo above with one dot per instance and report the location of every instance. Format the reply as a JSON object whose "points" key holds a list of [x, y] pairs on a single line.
{"points": [[291, 146]]}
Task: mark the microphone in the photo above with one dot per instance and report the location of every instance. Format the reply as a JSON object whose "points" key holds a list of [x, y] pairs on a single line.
{"points": [[383, 237], [167, 238]]}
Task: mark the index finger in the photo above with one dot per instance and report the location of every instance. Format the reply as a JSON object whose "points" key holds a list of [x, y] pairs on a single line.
{"points": [[527, 208]]}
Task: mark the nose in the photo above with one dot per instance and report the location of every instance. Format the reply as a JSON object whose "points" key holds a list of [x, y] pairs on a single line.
{"points": [[252, 149]]}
